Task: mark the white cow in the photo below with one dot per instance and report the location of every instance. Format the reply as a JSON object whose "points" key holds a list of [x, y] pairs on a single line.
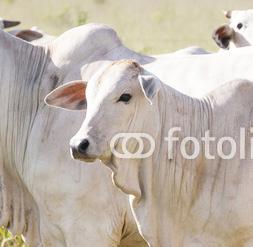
{"points": [[238, 33], [178, 200], [83, 50], [46, 196]]}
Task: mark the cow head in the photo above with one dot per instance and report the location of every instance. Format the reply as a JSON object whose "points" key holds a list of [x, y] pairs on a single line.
{"points": [[238, 33], [115, 100]]}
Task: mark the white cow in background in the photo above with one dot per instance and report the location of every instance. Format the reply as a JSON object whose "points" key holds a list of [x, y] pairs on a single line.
{"points": [[199, 74], [177, 201], [238, 33], [192, 50]]}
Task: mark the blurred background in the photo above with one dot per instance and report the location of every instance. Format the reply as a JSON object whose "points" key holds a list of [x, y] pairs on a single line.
{"points": [[149, 26]]}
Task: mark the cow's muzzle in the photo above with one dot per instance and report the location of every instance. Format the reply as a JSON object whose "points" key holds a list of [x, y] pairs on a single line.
{"points": [[79, 150]]}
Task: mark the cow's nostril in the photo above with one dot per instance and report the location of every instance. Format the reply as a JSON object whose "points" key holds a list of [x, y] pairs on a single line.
{"points": [[83, 146]]}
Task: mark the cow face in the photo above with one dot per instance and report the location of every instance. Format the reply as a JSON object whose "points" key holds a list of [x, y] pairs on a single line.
{"points": [[112, 102], [238, 33]]}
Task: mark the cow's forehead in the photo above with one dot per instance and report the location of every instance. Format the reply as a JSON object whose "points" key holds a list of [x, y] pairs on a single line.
{"points": [[117, 77], [242, 15], [118, 72]]}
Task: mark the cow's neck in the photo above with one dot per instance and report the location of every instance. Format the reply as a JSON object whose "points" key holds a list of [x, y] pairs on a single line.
{"points": [[159, 181], [21, 69], [179, 174], [20, 84]]}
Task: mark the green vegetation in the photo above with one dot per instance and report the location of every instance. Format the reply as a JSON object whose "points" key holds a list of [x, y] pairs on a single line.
{"points": [[149, 26], [7, 240]]}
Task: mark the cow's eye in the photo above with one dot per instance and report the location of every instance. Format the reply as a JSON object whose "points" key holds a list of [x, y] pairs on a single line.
{"points": [[125, 97], [239, 26]]}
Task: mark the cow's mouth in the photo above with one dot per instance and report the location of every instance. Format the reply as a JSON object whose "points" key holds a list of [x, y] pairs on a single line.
{"points": [[83, 157], [225, 42]]}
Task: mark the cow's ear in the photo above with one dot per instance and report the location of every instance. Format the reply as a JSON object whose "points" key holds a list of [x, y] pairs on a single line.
{"points": [[150, 86], [70, 96], [7, 23], [29, 35], [223, 35], [228, 13]]}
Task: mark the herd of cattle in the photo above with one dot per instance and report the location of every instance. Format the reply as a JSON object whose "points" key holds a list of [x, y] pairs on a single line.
{"points": [[56, 201]]}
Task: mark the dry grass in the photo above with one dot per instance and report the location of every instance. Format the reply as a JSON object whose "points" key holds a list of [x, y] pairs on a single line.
{"points": [[150, 26]]}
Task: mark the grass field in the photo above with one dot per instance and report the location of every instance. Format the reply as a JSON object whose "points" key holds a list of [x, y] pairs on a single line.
{"points": [[149, 26]]}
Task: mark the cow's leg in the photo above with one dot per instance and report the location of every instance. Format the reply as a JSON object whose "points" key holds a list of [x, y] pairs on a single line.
{"points": [[18, 211]]}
